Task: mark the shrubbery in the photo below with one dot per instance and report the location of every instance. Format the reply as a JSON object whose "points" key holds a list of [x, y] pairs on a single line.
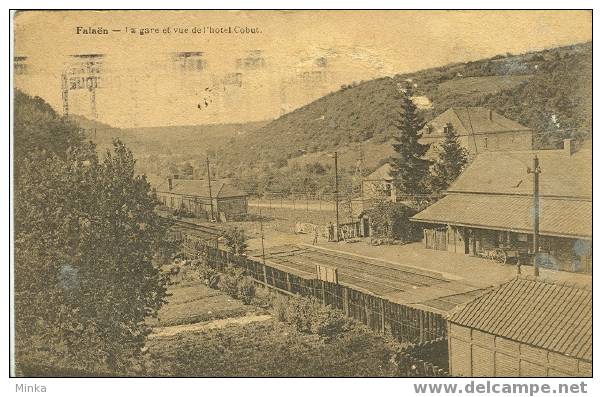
{"points": [[308, 315], [232, 281]]}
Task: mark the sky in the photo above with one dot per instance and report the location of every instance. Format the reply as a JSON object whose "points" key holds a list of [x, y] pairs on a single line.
{"points": [[281, 61]]}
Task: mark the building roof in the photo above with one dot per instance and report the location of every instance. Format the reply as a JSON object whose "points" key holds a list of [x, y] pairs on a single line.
{"points": [[472, 120], [495, 192], [562, 175], [381, 173], [558, 217], [545, 314], [200, 188]]}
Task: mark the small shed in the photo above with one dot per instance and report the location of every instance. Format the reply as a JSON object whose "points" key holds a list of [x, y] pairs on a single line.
{"points": [[527, 327]]}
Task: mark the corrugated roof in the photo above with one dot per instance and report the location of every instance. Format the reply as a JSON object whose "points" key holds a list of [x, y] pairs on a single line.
{"points": [[558, 217], [553, 316], [200, 188], [506, 173], [472, 120]]}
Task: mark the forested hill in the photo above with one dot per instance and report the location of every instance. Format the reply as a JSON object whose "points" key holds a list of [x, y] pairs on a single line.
{"points": [[357, 113], [549, 91]]}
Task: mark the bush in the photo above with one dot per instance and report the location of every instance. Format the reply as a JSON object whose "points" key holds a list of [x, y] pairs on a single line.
{"points": [[229, 281], [205, 272], [234, 283], [391, 221], [309, 316], [328, 322], [246, 290], [279, 307]]}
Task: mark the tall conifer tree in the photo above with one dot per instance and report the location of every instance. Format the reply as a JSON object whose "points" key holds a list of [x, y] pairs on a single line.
{"points": [[409, 168], [451, 162]]}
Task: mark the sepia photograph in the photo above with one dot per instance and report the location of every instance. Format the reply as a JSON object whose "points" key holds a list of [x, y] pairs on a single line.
{"points": [[302, 194]]}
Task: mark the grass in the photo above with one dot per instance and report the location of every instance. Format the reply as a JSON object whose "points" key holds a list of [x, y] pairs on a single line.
{"points": [[194, 302], [480, 85], [270, 349], [266, 348]]}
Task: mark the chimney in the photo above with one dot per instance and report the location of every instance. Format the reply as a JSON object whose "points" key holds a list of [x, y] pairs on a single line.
{"points": [[490, 114], [170, 183], [569, 147]]}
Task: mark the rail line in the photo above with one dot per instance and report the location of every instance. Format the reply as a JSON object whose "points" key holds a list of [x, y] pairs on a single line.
{"points": [[210, 231]]}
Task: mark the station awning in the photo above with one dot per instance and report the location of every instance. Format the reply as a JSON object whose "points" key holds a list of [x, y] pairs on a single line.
{"points": [[558, 217]]}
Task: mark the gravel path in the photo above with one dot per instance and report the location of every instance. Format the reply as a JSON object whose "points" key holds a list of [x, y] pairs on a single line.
{"points": [[164, 332]]}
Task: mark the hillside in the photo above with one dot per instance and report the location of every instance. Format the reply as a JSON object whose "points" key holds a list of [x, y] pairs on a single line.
{"points": [[186, 140], [362, 112], [549, 91]]}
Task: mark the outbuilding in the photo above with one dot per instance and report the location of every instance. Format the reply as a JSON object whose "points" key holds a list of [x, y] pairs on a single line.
{"points": [[203, 199], [526, 327]]}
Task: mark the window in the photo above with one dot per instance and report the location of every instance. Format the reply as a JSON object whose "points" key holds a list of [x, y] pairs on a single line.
{"points": [[485, 142]]}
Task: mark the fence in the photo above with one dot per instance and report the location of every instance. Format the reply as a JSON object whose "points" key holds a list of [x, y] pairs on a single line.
{"points": [[405, 323]]}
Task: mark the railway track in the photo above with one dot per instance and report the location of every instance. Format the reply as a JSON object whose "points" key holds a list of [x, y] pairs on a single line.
{"points": [[204, 230], [377, 277]]}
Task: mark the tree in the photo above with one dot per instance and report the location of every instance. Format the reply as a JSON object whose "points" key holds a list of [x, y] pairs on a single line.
{"points": [[451, 162], [408, 167], [236, 241], [187, 169], [392, 221], [88, 251]]}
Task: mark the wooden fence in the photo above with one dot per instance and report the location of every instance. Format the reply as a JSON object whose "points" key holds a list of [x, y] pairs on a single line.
{"points": [[405, 323]]}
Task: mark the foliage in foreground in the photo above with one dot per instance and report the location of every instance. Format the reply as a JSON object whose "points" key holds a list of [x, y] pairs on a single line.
{"points": [[87, 247]]}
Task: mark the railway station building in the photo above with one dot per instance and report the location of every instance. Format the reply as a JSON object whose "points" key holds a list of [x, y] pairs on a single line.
{"points": [[489, 208], [195, 198], [527, 327]]}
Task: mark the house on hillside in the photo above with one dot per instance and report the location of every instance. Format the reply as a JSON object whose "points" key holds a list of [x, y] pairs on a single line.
{"points": [[527, 327], [193, 197], [376, 186], [490, 207], [379, 184], [479, 130]]}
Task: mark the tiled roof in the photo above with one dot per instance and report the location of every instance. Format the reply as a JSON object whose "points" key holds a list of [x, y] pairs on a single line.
{"points": [[473, 120], [558, 217], [552, 316], [200, 188], [506, 172]]}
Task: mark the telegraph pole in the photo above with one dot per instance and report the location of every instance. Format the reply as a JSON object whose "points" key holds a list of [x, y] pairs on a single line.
{"points": [[336, 191], [209, 185], [261, 229], [535, 171]]}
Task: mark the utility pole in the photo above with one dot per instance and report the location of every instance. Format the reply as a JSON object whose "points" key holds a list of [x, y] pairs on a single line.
{"points": [[65, 93], [535, 171], [336, 192], [261, 229], [209, 185]]}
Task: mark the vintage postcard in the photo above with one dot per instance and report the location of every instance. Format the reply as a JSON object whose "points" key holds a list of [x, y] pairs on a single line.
{"points": [[302, 194]]}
